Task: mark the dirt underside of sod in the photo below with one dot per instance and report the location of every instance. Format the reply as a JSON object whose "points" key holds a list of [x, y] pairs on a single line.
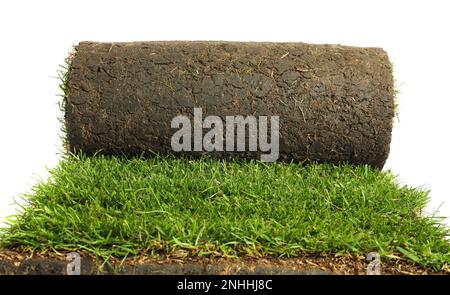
{"points": [[167, 215], [25, 262], [335, 103]]}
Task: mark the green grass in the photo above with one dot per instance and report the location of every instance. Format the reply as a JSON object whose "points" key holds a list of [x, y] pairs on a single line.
{"points": [[63, 75], [113, 206]]}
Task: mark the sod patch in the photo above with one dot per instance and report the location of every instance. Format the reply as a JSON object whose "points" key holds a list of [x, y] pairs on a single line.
{"points": [[116, 207]]}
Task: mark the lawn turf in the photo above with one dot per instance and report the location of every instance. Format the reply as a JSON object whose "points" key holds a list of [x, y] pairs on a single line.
{"points": [[122, 207]]}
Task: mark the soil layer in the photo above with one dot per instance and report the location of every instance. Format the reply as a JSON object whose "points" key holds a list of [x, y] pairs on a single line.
{"points": [[335, 103], [22, 263]]}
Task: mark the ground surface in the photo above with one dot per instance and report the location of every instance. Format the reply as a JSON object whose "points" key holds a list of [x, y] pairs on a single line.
{"points": [[13, 262], [209, 209]]}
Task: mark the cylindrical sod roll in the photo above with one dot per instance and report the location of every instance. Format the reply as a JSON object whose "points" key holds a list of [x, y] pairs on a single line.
{"points": [[335, 104]]}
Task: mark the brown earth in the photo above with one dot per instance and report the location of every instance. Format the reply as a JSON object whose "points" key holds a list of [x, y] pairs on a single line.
{"points": [[335, 103], [13, 262]]}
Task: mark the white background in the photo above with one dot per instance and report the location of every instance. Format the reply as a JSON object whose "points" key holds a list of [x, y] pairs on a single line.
{"points": [[37, 35]]}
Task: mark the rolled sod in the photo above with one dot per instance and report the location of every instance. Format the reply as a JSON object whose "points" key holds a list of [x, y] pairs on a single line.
{"points": [[335, 103]]}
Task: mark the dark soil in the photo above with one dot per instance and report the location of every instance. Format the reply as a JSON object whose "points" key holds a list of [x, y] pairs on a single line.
{"points": [[335, 103], [12, 262]]}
